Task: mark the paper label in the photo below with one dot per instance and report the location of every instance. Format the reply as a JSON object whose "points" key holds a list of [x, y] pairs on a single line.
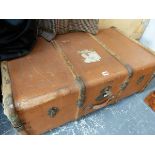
{"points": [[90, 56]]}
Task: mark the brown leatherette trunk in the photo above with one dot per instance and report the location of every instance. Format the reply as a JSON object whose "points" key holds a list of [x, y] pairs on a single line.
{"points": [[141, 61], [50, 76], [74, 75]]}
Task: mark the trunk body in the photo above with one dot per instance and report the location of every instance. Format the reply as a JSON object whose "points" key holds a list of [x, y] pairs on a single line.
{"points": [[74, 75]]}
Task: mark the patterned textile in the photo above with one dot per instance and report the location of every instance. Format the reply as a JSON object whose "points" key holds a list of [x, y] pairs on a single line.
{"points": [[48, 28]]}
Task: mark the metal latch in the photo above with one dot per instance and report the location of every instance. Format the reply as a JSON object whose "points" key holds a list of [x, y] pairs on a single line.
{"points": [[104, 94], [53, 111]]}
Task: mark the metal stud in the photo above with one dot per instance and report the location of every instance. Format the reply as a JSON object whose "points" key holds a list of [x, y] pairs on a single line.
{"points": [[53, 111]]}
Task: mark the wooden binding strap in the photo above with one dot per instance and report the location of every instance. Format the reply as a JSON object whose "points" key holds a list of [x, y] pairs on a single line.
{"points": [[78, 79], [127, 66]]}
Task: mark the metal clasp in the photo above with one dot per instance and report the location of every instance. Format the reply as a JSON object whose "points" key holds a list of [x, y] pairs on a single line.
{"points": [[104, 94]]}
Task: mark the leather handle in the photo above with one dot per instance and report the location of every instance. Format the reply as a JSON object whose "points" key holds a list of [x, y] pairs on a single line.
{"points": [[96, 107]]}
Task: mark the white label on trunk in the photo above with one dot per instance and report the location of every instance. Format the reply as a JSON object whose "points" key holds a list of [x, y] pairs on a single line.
{"points": [[90, 56], [105, 73]]}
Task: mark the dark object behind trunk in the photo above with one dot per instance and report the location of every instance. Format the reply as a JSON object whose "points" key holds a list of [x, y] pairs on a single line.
{"points": [[17, 37]]}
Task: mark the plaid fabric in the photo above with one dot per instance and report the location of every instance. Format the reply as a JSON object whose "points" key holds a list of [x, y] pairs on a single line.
{"points": [[48, 28]]}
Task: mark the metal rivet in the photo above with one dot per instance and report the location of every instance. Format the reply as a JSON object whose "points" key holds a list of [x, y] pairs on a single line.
{"points": [[53, 111]]}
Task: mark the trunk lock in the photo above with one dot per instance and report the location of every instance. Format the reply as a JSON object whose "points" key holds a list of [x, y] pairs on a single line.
{"points": [[104, 94]]}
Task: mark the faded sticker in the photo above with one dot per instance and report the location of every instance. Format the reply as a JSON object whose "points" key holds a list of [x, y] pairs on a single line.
{"points": [[90, 56], [105, 73]]}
